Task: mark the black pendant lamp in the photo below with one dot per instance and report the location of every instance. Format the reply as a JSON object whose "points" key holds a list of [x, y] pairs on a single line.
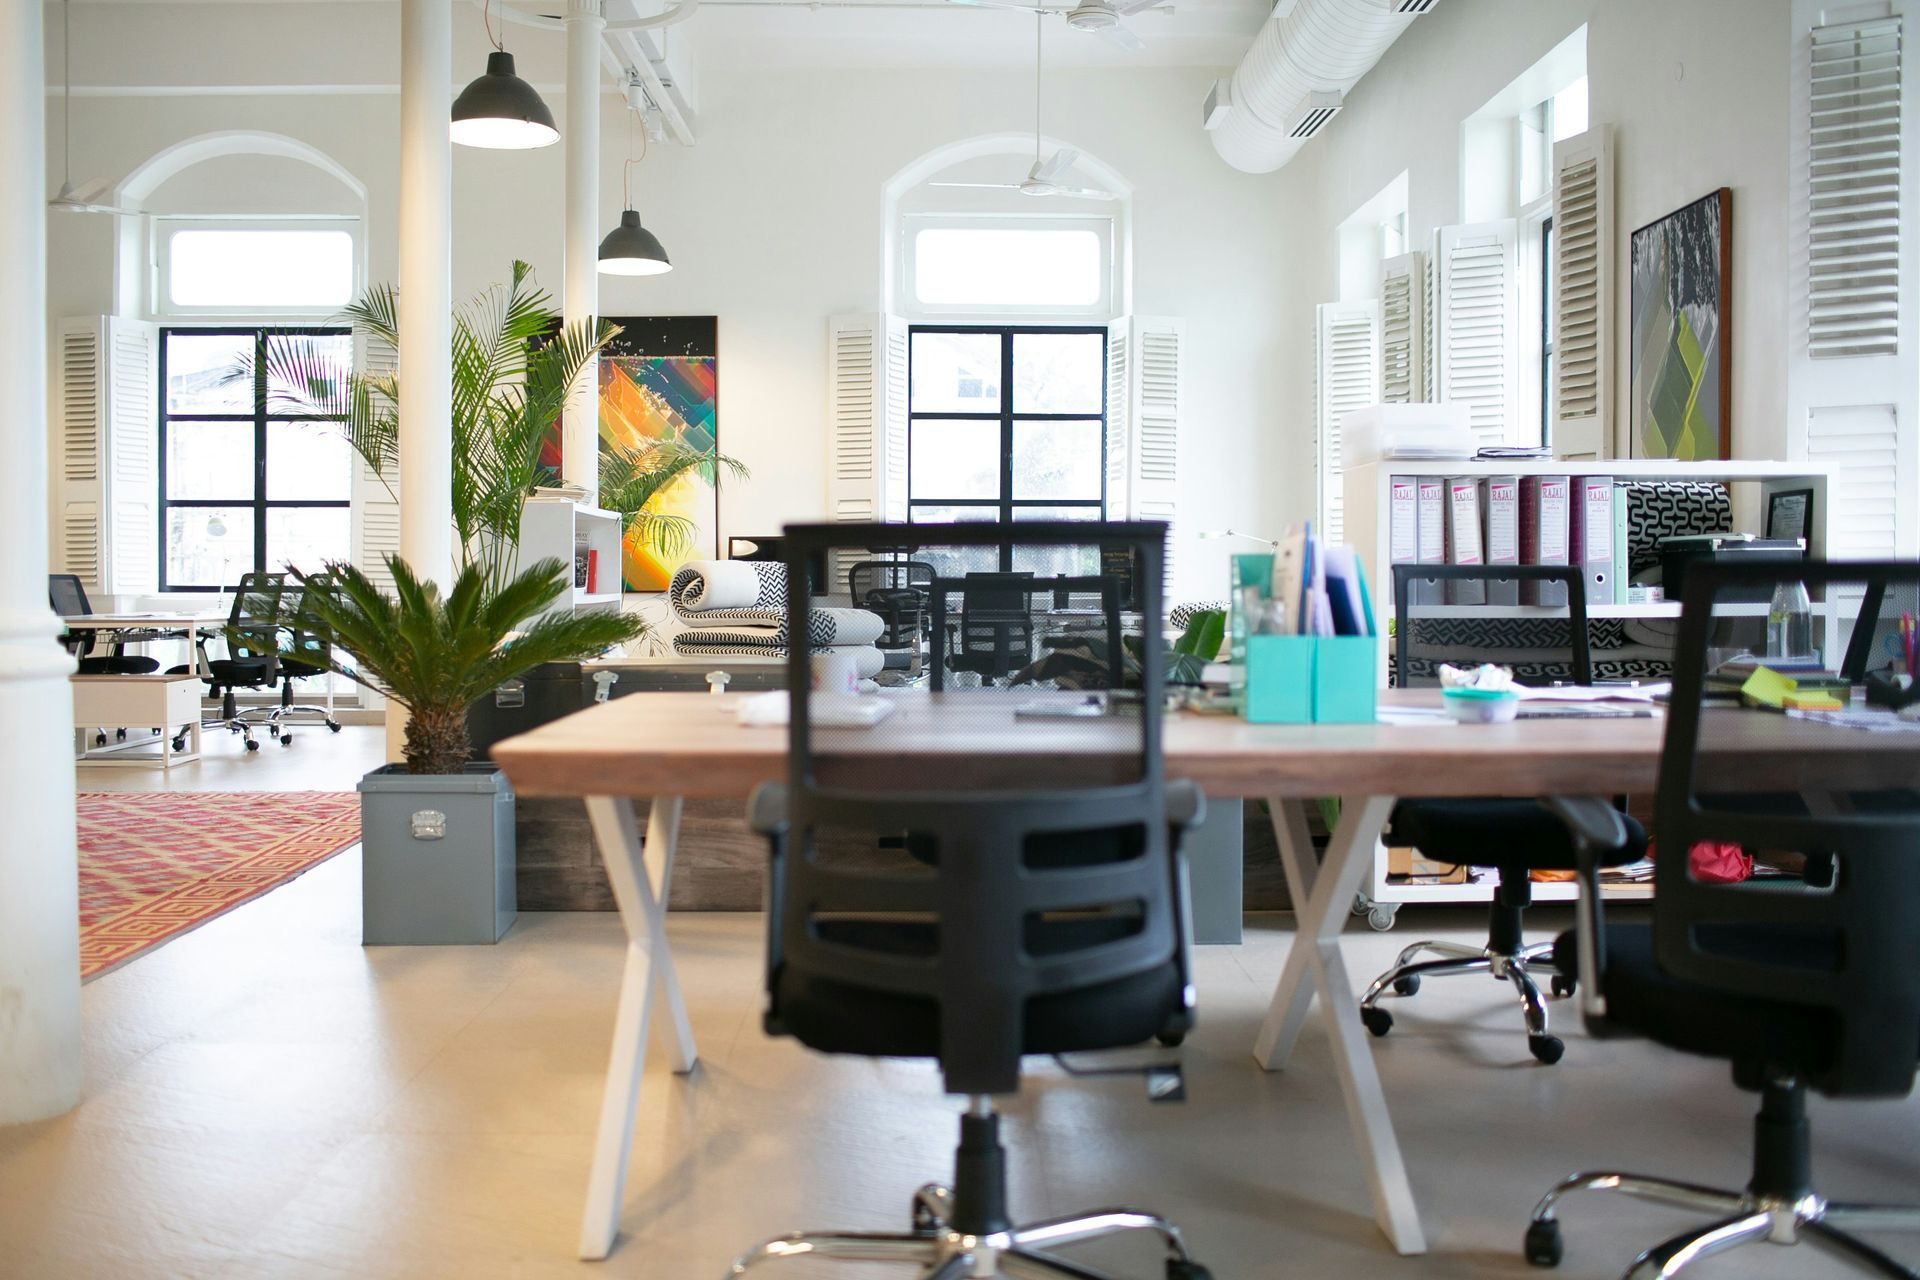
{"points": [[630, 249], [500, 111]]}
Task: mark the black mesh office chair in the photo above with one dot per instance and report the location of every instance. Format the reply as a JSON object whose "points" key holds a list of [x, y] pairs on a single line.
{"points": [[1515, 836], [306, 651], [996, 625], [897, 590], [252, 661], [1797, 987], [1041, 911], [69, 600]]}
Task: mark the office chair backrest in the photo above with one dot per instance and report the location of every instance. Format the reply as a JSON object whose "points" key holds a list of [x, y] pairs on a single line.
{"points": [[253, 621], [898, 590], [1029, 820], [1851, 949], [68, 599], [996, 623], [1539, 649]]}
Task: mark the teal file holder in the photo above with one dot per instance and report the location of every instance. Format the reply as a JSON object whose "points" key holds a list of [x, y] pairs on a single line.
{"points": [[1311, 679]]}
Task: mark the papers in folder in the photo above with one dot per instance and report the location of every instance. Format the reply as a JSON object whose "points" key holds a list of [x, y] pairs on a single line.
{"points": [[824, 711]]}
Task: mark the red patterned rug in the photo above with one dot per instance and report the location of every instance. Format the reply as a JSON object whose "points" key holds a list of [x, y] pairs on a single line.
{"points": [[156, 864]]}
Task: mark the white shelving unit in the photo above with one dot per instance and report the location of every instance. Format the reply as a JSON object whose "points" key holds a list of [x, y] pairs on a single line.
{"points": [[1366, 515], [552, 525]]}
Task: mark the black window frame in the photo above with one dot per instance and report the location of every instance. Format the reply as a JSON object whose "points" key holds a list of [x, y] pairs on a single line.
{"points": [[259, 504], [1006, 504], [1546, 329]]}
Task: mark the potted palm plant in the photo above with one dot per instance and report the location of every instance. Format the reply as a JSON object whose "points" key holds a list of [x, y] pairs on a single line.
{"points": [[437, 831]]}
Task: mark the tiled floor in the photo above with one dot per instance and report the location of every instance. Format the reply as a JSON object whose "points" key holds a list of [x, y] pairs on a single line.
{"points": [[265, 1097]]}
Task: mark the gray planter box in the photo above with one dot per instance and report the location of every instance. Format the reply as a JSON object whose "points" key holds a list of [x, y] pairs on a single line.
{"points": [[438, 856]]}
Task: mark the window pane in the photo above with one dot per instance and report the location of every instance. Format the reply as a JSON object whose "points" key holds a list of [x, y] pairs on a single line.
{"points": [[210, 460], [1004, 266], [328, 355], [957, 562], [1056, 459], [954, 459], [1570, 110], [956, 373], [200, 369], [309, 461], [208, 546], [1059, 372], [217, 267], [305, 537]]}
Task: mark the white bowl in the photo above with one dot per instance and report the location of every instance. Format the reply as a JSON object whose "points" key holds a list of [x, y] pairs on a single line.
{"points": [[1470, 706]]}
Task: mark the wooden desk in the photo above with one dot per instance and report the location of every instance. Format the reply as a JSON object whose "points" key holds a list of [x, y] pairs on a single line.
{"points": [[673, 745]]}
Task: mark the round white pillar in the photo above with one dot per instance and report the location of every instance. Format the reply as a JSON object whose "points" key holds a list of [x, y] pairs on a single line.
{"points": [[580, 300], [426, 288], [39, 879]]}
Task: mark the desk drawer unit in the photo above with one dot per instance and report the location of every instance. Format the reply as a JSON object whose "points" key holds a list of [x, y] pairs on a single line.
{"points": [[170, 703]]}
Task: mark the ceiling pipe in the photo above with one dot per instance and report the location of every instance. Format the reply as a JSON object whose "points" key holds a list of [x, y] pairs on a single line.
{"points": [[1306, 47]]}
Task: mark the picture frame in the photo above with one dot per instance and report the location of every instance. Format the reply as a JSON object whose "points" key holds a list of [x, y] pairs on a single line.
{"points": [[1681, 348], [1790, 515]]}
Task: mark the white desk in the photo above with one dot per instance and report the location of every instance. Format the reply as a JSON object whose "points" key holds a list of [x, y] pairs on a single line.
{"points": [[188, 624]]}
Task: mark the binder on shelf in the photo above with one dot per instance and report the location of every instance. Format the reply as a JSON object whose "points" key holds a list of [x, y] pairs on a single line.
{"points": [[1591, 543], [1403, 521], [1621, 569], [1430, 532], [1500, 514], [1543, 534], [1463, 538]]}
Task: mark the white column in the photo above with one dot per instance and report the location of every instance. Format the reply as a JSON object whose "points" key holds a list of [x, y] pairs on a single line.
{"points": [[426, 288], [580, 300], [39, 882]]}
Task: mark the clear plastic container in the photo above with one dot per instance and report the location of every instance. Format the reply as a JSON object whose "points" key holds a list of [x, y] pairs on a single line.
{"points": [[1790, 622]]}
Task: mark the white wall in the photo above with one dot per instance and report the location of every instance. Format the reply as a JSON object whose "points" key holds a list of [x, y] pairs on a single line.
{"points": [[773, 221], [1697, 93]]}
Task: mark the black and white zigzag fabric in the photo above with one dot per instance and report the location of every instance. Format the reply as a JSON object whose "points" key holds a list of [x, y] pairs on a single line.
{"points": [[741, 602], [867, 660], [1659, 509]]}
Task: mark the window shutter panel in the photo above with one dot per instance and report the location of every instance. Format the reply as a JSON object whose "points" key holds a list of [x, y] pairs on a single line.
{"points": [[108, 494], [1347, 359], [1582, 302], [1119, 415], [1853, 213], [894, 472], [1863, 444], [1477, 318], [1147, 361], [866, 423], [1403, 343], [376, 506], [1430, 330]]}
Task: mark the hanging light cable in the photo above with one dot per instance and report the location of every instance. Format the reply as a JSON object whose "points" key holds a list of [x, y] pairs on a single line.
{"points": [[500, 111], [630, 249]]}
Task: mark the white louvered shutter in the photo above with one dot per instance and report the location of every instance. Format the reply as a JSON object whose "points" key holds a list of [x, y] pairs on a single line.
{"points": [[1430, 335], [1853, 214], [1862, 443], [1581, 308], [375, 516], [866, 423], [1347, 351], [893, 504], [107, 526], [1477, 316], [1403, 339], [1143, 357]]}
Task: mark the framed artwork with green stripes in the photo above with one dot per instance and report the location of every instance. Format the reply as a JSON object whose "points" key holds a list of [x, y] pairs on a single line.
{"points": [[1681, 341]]}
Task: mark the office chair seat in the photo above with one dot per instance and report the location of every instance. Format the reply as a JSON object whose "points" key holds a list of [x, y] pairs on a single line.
{"points": [[1517, 836], [118, 665], [833, 1017]]}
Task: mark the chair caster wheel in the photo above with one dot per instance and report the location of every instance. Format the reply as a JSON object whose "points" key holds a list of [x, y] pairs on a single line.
{"points": [[179, 745], [252, 744], [99, 739], [1170, 1039], [333, 726], [1186, 1269], [286, 739], [1407, 986], [1376, 1020], [1381, 916], [1565, 986], [1546, 1048], [1543, 1247], [120, 735]]}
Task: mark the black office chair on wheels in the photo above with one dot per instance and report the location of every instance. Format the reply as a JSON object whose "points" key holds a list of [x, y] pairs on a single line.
{"points": [[69, 600], [1796, 986], [1041, 911], [306, 652], [252, 661], [897, 590], [996, 625], [1516, 836]]}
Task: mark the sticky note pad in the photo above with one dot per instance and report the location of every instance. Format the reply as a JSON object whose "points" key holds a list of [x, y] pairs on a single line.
{"points": [[1767, 688], [1812, 702]]}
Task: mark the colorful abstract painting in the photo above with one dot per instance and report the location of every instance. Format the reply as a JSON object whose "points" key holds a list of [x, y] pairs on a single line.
{"points": [[659, 381], [1681, 348]]}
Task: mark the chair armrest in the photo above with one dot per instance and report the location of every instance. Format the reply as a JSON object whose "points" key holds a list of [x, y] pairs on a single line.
{"points": [[1596, 827], [1186, 805], [767, 809]]}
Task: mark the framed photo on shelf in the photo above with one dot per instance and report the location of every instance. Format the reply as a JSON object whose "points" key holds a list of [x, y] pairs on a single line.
{"points": [[1790, 514]]}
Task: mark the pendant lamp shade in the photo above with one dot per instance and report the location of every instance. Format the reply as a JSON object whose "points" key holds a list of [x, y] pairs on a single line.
{"points": [[501, 111], [632, 250]]}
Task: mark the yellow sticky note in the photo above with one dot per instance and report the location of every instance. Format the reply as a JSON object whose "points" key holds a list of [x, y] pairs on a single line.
{"points": [[1812, 702], [1767, 688]]}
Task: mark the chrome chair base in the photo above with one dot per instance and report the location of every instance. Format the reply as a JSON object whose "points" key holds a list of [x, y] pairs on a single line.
{"points": [[943, 1253], [1740, 1218], [1456, 958]]}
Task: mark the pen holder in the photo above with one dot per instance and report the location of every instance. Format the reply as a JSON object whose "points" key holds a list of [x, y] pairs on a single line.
{"points": [[1311, 679]]}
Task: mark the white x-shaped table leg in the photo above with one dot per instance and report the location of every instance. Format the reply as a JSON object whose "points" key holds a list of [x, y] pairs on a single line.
{"points": [[1315, 964], [641, 892]]}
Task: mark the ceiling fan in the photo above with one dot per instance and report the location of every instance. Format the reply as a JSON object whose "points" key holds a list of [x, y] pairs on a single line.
{"points": [[1102, 17], [1043, 179], [85, 198]]}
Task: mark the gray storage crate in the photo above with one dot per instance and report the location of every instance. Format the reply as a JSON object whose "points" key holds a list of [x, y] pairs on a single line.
{"points": [[438, 856]]}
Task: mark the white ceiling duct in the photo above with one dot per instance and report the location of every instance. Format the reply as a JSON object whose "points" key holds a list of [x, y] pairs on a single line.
{"points": [[1306, 48]]}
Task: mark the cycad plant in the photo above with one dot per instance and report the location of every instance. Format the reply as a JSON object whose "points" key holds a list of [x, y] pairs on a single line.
{"points": [[436, 655]]}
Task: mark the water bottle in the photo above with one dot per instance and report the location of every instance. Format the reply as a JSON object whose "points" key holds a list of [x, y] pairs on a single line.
{"points": [[1790, 622]]}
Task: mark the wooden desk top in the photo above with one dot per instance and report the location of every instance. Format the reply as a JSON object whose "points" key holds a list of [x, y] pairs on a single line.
{"points": [[690, 744]]}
